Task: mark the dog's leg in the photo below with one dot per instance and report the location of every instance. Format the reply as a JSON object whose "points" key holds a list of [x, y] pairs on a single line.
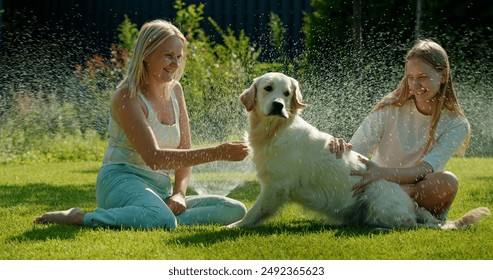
{"points": [[268, 202]]}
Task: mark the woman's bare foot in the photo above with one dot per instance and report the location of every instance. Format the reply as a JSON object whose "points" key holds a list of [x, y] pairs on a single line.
{"points": [[72, 216]]}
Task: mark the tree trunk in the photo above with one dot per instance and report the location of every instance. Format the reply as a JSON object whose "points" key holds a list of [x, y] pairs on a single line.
{"points": [[417, 28]]}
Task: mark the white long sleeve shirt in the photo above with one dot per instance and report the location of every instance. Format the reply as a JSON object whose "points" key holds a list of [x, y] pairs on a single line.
{"points": [[396, 137]]}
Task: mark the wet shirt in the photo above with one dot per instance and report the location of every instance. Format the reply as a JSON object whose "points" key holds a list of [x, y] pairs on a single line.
{"points": [[397, 136]]}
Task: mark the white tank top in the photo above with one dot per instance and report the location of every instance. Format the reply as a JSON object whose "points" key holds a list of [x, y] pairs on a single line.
{"points": [[120, 150]]}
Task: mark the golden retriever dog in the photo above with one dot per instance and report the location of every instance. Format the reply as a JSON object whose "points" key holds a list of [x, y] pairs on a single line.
{"points": [[293, 163]]}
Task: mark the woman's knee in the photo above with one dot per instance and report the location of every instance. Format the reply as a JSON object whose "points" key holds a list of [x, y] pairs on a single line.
{"points": [[168, 222], [230, 210], [160, 218], [238, 211]]}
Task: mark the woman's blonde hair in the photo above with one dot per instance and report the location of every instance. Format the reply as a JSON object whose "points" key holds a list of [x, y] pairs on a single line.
{"points": [[151, 35], [434, 55]]}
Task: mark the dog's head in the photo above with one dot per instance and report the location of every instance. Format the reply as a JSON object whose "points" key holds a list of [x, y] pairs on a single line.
{"points": [[273, 94]]}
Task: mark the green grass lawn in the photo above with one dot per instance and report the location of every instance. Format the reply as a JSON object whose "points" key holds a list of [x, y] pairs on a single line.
{"points": [[28, 190]]}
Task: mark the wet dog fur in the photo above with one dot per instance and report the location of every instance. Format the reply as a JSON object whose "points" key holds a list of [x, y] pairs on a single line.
{"points": [[293, 163]]}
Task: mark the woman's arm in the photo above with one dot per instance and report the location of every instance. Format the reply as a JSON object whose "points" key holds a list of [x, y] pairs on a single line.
{"points": [[182, 175], [129, 113]]}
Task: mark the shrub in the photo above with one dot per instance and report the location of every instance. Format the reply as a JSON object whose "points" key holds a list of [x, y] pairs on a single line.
{"points": [[215, 75], [41, 127], [62, 124]]}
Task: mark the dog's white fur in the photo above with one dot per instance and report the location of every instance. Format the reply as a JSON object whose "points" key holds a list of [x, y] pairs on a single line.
{"points": [[293, 163]]}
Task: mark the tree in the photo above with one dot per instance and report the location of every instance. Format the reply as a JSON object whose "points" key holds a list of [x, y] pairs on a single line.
{"points": [[417, 29]]}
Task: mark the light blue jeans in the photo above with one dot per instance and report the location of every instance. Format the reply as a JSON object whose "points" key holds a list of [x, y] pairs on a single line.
{"points": [[443, 217], [132, 197]]}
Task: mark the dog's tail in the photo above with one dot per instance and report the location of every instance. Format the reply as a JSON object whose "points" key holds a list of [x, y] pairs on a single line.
{"points": [[470, 218]]}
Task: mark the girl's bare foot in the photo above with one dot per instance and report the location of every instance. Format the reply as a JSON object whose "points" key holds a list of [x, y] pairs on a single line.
{"points": [[72, 216]]}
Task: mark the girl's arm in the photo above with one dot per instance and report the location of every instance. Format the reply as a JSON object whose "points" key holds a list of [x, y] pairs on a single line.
{"points": [[407, 175]]}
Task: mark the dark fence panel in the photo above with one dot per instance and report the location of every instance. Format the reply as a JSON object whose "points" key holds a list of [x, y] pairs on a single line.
{"points": [[95, 22]]}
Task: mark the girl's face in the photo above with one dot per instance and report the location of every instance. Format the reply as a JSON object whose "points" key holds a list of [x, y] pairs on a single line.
{"points": [[424, 81], [165, 59]]}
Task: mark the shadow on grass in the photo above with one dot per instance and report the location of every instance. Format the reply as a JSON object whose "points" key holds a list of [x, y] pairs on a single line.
{"points": [[44, 232], [47, 232], [206, 236], [46, 194]]}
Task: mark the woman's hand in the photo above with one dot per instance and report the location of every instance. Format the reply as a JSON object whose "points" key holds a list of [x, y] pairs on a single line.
{"points": [[233, 151], [338, 146], [372, 173], [177, 203]]}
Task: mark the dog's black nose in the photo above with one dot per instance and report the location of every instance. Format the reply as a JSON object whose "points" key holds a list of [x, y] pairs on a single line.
{"points": [[278, 110], [277, 107]]}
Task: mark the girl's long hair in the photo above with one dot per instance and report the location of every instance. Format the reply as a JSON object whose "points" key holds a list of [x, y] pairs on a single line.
{"points": [[151, 35], [434, 55]]}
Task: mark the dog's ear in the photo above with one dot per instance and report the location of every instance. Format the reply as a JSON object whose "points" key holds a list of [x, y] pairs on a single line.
{"points": [[297, 97], [248, 96]]}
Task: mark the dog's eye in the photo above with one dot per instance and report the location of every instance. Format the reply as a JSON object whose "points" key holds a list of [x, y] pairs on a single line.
{"points": [[286, 93], [268, 88]]}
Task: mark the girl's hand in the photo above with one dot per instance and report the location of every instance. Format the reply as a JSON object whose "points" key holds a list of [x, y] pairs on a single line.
{"points": [[338, 146], [177, 203], [233, 151], [372, 173]]}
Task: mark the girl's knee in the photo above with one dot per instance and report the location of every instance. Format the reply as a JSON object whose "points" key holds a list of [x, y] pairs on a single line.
{"points": [[449, 179], [450, 176], [448, 186], [445, 179]]}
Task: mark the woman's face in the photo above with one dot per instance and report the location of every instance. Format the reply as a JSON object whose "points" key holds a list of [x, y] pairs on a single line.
{"points": [[165, 59], [424, 81]]}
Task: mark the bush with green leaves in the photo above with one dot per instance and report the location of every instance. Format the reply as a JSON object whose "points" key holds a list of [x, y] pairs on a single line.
{"points": [[100, 77], [39, 127], [215, 75]]}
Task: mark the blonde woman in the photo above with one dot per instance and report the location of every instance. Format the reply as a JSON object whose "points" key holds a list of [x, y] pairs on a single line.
{"points": [[414, 130], [149, 136]]}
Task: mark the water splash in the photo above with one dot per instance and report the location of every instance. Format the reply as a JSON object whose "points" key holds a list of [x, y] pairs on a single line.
{"points": [[338, 98], [221, 177]]}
